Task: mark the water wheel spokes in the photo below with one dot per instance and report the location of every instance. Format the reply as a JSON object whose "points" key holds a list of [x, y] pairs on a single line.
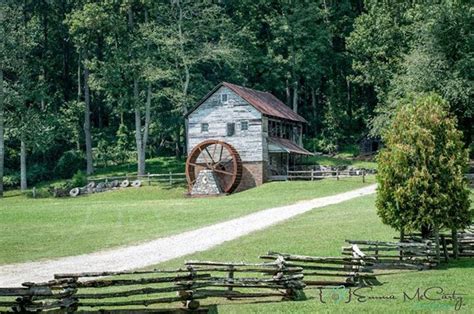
{"points": [[221, 158]]}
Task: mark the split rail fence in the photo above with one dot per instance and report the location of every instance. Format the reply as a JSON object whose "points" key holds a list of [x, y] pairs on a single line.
{"points": [[198, 280], [392, 255], [322, 272], [462, 245], [170, 178]]}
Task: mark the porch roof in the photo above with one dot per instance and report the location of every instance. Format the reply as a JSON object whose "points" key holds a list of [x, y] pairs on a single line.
{"points": [[282, 145]]}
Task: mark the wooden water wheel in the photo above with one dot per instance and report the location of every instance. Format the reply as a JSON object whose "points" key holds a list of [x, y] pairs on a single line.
{"points": [[220, 157]]}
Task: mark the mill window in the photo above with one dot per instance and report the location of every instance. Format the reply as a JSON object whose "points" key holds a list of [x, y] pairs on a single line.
{"points": [[223, 98], [204, 127], [230, 129], [244, 125]]}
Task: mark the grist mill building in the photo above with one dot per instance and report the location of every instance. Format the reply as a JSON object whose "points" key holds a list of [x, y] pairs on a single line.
{"points": [[266, 133]]}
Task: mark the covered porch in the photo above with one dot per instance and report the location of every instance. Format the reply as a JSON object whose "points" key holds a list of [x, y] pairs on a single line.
{"points": [[284, 155]]}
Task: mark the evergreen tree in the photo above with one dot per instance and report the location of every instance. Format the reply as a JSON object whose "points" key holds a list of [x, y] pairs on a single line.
{"points": [[421, 169]]}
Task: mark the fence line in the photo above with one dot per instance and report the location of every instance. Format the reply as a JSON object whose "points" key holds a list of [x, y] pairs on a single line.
{"points": [[324, 174], [198, 280], [170, 177]]}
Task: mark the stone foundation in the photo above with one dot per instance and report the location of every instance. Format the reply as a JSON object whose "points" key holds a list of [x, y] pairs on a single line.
{"points": [[206, 184]]}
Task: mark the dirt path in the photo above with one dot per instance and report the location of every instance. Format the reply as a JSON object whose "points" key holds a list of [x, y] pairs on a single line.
{"points": [[167, 248]]}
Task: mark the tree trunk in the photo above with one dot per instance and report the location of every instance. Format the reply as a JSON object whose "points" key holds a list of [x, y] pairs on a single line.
{"points": [[288, 94], [454, 237], [314, 107], [2, 140], [178, 141], [426, 231], [147, 119], [402, 239], [87, 122], [23, 184], [437, 249], [295, 96], [142, 138], [79, 78], [138, 131]]}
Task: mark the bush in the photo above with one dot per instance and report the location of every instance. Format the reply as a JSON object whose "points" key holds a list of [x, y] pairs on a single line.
{"points": [[37, 173], [11, 181], [39, 193], [321, 145], [69, 163], [421, 169], [79, 179]]}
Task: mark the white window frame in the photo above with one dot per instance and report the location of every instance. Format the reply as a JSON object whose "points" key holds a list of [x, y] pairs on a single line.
{"points": [[226, 98], [246, 123]]}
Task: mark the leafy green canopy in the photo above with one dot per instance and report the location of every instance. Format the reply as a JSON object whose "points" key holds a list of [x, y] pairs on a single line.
{"points": [[421, 169]]}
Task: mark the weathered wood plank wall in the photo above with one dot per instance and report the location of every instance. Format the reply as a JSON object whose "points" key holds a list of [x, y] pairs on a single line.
{"points": [[217, 114]]}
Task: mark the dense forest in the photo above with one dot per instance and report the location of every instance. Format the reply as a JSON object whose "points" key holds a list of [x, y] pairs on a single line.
{"points": [[88, 83]]}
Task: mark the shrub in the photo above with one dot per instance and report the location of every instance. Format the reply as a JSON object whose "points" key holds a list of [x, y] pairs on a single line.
{"points": [[321, 145], [421, 169], [79, 179], [11, 181], [38, 193], [69, 163], [36, 173]]}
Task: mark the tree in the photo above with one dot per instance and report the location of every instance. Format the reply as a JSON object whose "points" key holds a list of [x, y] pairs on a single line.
{"points": [[86, 26], [421, 169], [401, 48], [196, 42]]}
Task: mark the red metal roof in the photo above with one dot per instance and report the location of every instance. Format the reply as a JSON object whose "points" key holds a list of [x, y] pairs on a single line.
{"points": [[264, 102]]}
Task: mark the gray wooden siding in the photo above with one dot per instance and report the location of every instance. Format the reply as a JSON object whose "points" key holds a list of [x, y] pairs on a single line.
{"points": [[265, 138], [217, 114]]}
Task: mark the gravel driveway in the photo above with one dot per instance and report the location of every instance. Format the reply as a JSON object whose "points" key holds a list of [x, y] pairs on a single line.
{"points": [[167, 248]]}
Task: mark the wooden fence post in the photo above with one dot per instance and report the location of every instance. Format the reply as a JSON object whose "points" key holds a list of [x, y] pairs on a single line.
{"points": [[445, 248], [230, 278], [337, 174], [437, 250], [402, 239], [363, 176], [455, 243], [149, 180], [312, 174], [171, 178]]}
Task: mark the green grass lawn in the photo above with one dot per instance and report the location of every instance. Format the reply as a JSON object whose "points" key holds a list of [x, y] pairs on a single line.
{"points": [[33, 229], [322, 233]]}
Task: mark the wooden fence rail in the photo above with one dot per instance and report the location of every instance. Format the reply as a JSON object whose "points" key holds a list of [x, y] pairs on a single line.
{"points": [[462, 245], [198, 280], [325, 174], [322, 272], [148, 178], [392, 255]]}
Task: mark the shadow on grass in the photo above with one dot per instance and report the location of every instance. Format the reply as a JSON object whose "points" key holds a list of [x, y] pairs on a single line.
{"points": [[463, 262]]}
